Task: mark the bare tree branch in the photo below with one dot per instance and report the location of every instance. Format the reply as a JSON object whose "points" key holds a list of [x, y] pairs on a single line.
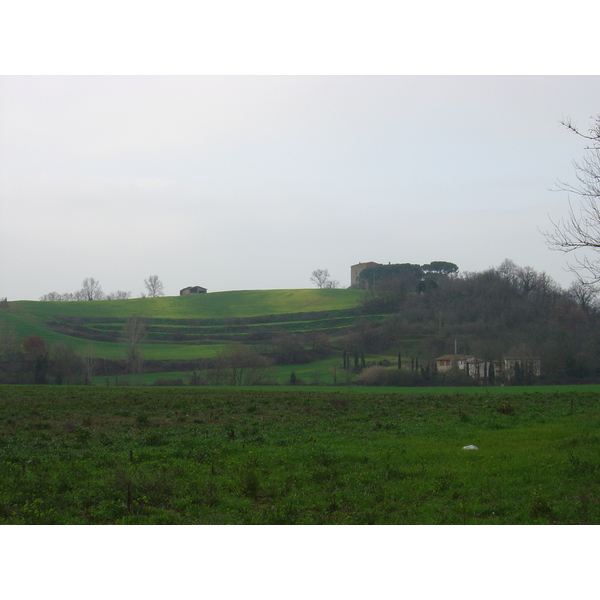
{"points": [[154, 286], [321, 278], [91, 290], [580, 230], [134, 334]]}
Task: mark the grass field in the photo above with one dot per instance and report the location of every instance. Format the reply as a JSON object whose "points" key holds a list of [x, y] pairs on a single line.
{"points": [[184, 327], [279, 456], [246, 303]]}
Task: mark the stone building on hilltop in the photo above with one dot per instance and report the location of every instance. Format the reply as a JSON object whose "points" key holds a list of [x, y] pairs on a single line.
{"points": [[355, 271]]}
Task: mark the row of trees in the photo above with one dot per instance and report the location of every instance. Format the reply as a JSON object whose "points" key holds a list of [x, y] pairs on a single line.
{"points": [[410, 276], [391, 285], [236, 364], [33, 360], [92, 290]]}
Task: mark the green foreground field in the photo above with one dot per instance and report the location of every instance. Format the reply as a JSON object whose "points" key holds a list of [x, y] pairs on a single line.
{"points": [[141, 455]]}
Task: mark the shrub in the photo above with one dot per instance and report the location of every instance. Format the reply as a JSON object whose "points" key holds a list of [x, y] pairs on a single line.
{"points": [[506, 409]]}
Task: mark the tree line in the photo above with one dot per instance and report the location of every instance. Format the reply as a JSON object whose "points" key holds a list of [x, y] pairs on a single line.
{"points": [[407, 276], [92, 290], [36, 361], [500, 312]]}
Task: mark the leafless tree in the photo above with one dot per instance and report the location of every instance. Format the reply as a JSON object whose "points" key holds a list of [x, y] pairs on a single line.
{"points": [[321, 278], [65, 364], [580, 230], [118, 295], [51, 297], [584, 294], [154, 286], [334, 371], [134, 334], [91, 290], [89, 363], [242, 365]]}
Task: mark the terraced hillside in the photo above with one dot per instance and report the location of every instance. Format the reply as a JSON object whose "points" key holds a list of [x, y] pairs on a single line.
{"points": [[187, 326]]}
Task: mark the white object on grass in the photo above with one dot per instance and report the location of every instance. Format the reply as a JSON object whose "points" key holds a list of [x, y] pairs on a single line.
{"points": [[471, 447]]}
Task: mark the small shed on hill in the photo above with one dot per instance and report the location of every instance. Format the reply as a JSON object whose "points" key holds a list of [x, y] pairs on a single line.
{"points": [[192, 289]]}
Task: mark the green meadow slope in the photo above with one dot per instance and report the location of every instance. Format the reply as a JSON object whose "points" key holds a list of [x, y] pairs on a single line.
{"points": [[246, 303], [185, 327]]}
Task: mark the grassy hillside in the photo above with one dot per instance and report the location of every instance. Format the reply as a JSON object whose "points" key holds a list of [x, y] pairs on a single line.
{"points": [[247, 303], [185, 327]]}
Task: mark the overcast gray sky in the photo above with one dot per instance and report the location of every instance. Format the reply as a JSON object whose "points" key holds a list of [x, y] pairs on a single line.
{"points": [[252, 182]]}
